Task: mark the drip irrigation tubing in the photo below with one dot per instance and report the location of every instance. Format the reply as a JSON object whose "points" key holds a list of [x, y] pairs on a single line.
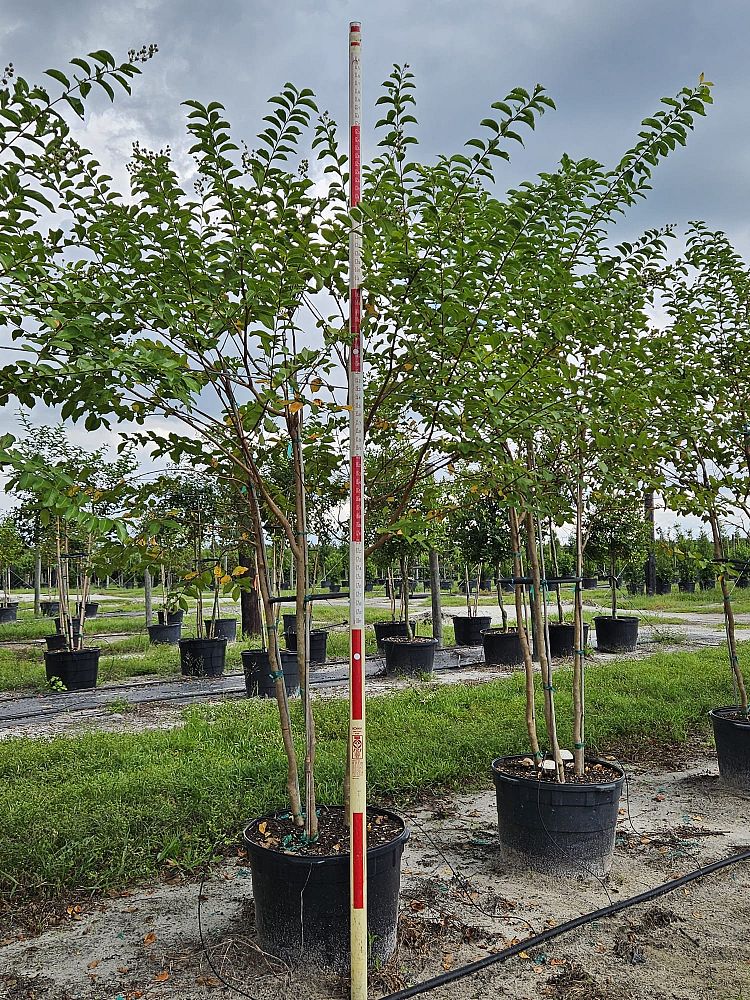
{"points": [[570, 925]]}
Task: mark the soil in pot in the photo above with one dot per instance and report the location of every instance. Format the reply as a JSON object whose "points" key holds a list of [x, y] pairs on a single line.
{"points": [[172, 617], [8, 613], [318, 642], [469, 630], [221, 628], [502, 647], [616, 635], [76, 670], [550, 826], [164, 635], [258, 680], [732, 736], [202, 657], [302, 898], [391, 630], [411, 657], [561, 638]]}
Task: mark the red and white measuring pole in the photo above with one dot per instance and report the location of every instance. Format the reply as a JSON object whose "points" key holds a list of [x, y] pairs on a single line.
{"points": [[357, 772]]}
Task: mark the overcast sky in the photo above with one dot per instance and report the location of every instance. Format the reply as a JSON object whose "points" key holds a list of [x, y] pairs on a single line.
{"points": [[606, 63]]}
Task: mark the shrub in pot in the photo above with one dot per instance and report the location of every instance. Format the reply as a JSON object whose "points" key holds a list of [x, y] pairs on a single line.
{"points": [[617, 533]]}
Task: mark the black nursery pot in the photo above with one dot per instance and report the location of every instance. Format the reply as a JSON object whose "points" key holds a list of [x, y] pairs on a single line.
{"points": [[732, 738], [318, 642], [75, 624], [258, 680], [616, 635], [502, 647], [544, 824], [562, 638], [302, 903], [222, 628], [8, 613], [60, 641], [202, 657], [469, 630], [663, 586], [391, 630], [409, 657], [77, 670], [290, 622], [335, 588], [49, 608], [589, 583], [687, 587], [91, 609], [164, 635], [172, 617]]}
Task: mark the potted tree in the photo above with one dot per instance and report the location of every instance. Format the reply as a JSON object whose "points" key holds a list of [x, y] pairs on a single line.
{"points": [[705, 349], [11, 547], [617, 534]]}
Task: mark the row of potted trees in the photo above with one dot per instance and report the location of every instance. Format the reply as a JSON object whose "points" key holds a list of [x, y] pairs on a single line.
{"points": [[525, 361]]}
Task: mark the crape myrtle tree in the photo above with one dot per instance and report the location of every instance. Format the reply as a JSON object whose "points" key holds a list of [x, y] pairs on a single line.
{"points": [[222, 308], [479, 530], [554, 320], [80, 494], [706, 353]]}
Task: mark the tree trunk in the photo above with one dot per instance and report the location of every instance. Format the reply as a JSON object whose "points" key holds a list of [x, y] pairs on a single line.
{"points": [[264, 581], [650, 567], [148, 596], [579, 678], [37, 583], [528, 662], [541, 645], [435, 595], [734, 661], [250, 611]]}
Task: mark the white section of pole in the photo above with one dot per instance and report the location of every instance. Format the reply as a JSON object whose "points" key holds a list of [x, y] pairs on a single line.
{"points": [[357, 770]]}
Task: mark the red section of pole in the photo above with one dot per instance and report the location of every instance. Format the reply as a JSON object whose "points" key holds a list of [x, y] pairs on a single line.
{"points": [[357, 756]]}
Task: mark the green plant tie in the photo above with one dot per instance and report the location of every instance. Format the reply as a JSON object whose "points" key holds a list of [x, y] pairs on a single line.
{"points": [[539, 755], [579, 746], [580, 652], [309, 840], [547, 687], [277, 675]]}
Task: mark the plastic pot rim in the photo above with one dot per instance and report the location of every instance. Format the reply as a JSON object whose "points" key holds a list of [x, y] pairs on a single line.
{"points": [[322, 859], [716, 713], [419, 640], [73, 652], [219, 638], [612, 618], [536, 783]]}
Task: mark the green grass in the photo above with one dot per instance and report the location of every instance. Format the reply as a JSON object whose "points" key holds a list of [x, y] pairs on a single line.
{"points": [[108, 809]]}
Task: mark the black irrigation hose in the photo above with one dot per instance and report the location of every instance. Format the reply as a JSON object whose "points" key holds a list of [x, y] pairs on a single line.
{"points": [[569, 925]]}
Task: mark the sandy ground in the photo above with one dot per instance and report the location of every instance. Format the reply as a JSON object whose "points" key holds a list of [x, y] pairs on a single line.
{"points": [[458, 904]]}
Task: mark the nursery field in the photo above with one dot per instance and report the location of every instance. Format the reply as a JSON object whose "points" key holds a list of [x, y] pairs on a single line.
{"points": [[105, 893]]}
